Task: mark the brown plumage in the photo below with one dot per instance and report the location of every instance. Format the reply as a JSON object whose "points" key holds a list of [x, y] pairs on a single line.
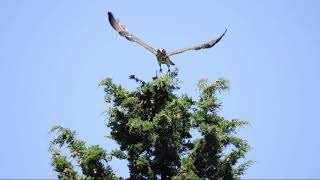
{"points": [[125, 33], [209, 44], [162, 56]]}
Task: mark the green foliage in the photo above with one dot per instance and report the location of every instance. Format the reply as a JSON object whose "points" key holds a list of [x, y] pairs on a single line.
{"points": [[152, 126], [92, 160]]}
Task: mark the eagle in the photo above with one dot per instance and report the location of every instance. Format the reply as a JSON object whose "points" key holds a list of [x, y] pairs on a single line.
{"points": [[161, 54]]}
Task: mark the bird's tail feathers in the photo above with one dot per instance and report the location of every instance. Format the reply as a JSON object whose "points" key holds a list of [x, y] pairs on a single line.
{"points": [[171, 63]]}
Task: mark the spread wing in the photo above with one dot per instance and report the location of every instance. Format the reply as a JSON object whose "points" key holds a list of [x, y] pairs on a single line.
{"points": [[125, 33], [201, 46]]}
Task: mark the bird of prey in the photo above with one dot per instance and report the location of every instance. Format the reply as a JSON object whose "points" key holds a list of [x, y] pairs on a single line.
{"points": [[161, 54]]}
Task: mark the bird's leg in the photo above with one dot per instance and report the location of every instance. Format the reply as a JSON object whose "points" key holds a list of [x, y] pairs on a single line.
{"points": [[160, 67], [168, 69]]}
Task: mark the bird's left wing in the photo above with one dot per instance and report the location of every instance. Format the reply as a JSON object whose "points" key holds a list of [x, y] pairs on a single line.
{"points": [[201, 46], [125, 33]]}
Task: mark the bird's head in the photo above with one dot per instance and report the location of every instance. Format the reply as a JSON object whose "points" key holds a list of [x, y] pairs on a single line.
{"points": [[161, 51]]}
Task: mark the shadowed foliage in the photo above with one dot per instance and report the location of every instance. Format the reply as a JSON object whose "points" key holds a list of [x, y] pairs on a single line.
{"points": [[152, 125]]}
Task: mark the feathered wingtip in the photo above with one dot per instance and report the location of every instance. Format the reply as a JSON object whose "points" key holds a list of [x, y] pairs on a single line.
{"points": [[112, 21], [110, 14], [224, 33], [110, 17], [121, 29]]}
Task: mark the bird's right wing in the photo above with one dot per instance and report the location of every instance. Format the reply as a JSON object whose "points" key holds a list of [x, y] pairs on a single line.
{"points": [[125, 33], [201, 46]]}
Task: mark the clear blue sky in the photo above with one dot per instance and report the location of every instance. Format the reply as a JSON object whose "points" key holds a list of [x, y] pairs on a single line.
{"points": [[54, 53]]}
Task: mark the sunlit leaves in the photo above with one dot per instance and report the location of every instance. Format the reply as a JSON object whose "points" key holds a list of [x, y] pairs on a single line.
{"points": [[152, 125]]}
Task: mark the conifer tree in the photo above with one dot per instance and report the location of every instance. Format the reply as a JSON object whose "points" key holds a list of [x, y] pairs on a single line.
{"points": [[152, 125]]}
